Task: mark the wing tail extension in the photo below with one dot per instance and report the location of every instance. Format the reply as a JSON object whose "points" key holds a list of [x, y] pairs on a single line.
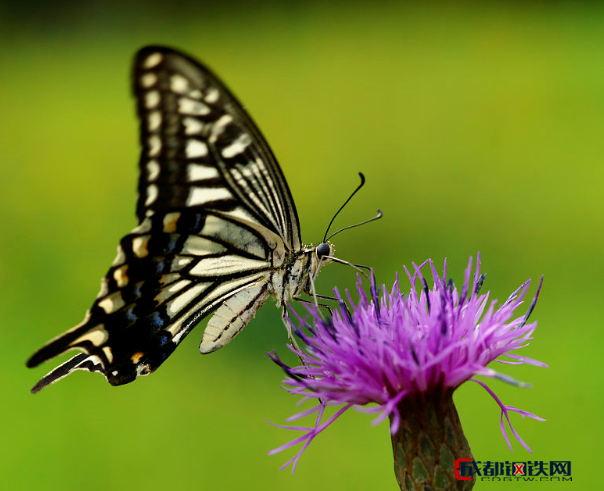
{"points": [[81, 361]]}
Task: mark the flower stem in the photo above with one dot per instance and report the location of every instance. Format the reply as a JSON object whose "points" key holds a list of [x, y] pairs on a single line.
{"points": [[428, 442]]}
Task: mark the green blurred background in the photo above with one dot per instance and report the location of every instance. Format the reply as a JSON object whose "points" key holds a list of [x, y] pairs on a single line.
{"points": [[479, 127]]}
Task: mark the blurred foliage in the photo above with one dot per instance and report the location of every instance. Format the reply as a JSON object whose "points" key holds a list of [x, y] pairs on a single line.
{"points": [[478, 126]]}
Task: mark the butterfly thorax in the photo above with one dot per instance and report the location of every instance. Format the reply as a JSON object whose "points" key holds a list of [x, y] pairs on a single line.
{"points": [[294, 279]]}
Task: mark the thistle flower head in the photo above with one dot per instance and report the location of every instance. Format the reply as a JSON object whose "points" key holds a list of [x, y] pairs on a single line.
{"points": [[392, 345]]}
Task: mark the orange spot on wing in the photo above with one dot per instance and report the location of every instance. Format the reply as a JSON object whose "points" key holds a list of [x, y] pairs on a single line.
{"points": [[136, 357]]}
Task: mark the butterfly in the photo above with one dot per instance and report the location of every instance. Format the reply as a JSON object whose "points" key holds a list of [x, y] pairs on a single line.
{"points": [[217, 231]]}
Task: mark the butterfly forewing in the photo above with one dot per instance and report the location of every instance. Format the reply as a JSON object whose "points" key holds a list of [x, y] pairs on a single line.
{"points": [[215, 217], [201, 149]]}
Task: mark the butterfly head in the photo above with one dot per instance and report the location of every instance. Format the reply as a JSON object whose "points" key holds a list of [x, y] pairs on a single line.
{"points": [[320, 256], [314, 258], [324, 250]]}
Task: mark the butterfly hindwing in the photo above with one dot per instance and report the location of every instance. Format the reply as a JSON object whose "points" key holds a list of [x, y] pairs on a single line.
{"points": [[159, 286], [233, 315]]}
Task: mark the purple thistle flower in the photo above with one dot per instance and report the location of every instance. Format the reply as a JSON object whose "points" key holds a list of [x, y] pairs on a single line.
{"points": [[396, 349]]}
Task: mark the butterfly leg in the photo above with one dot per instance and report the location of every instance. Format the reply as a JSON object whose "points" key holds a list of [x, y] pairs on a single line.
{"points": [[288, 325], [333, 299], [290, 334], [317, 304]]}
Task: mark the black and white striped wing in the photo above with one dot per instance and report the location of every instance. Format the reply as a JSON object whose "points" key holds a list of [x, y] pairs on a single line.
{"points": [[201, 149], [215, 215]]}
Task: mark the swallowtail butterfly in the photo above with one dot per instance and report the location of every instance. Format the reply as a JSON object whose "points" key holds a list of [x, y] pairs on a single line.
{"points": [[217, 230]]}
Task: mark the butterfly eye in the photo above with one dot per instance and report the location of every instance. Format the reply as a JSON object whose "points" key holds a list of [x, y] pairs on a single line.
{"points": [[323, 250]]}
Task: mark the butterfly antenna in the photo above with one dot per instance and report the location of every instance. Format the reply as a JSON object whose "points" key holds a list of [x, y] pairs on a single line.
{"points": [[377, 217], [345, 203]]}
